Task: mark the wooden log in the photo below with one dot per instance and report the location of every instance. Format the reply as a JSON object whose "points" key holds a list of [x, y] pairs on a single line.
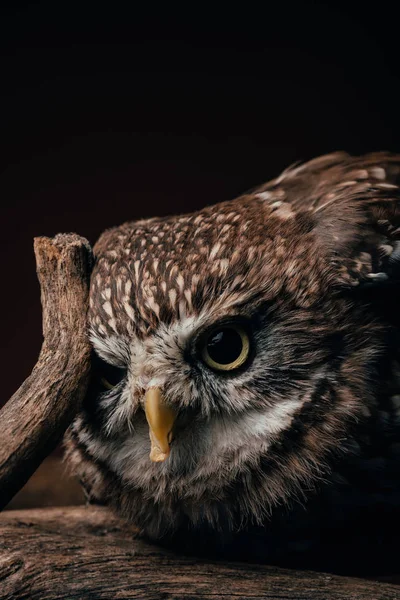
{"points": [[86, 552], [35, 418]]}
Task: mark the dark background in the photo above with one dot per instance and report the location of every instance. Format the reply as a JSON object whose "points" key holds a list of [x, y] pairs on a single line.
{"points": [[110, 114]]}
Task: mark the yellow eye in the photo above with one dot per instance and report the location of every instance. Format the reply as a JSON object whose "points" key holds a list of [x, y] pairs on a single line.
{"points": [[105, 383], [226, 348]]}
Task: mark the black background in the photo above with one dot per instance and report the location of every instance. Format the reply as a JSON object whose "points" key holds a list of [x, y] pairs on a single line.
{"points": [[110, 114]]}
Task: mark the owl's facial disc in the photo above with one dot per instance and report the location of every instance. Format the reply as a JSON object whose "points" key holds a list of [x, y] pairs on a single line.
{"points": [[155, 376], [160, 418], [224, 347]]}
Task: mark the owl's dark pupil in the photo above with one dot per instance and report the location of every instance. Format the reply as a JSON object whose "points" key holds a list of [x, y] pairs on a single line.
{"points": [[224, 346]]}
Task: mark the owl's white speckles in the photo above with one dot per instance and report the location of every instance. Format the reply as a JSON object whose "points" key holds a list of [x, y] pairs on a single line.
{"points": [[128, 308], [223, 265], [214, 250], [136, 267], [180, 282], [172, 298], [225, 229], [113, 324], [152, 304], [265, 195], [188, 297], [378, 173], [128, 287], [108, 308], [276, 204], [118, 285], [387, 186]]}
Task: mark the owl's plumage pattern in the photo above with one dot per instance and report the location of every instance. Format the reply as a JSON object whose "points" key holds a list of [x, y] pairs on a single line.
{"points": [[311, 261]]}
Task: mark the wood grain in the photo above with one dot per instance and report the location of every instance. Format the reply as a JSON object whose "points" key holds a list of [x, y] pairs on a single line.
{"points": [[35, 418], [86, 552]]}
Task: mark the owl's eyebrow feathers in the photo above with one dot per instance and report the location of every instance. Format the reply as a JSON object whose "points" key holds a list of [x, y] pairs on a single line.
{"points": [[117, 348], [113, 349]]}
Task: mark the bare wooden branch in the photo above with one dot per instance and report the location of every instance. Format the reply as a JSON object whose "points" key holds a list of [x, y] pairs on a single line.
{"points": [[35, 418], [88, 553]]}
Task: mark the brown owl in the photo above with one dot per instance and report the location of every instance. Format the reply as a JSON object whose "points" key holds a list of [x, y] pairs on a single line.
{"points": [[245, 399]]}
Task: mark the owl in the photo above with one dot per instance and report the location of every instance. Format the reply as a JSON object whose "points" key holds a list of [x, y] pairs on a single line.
{"points": [[245, 394]]}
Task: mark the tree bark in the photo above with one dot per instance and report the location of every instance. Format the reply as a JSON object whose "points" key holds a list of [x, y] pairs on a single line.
{"points": [[86, 552], [35, 418]]}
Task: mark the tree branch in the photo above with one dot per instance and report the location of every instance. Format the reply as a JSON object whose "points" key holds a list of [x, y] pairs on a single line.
{"points": [[35, 418], [53, 554]]}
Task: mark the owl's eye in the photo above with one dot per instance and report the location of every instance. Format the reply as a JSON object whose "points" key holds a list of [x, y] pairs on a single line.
{"points": [[226, 348], [108, 375]]}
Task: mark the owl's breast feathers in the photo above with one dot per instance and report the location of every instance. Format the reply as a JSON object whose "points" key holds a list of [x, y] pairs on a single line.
{"points": [[321, 244]]}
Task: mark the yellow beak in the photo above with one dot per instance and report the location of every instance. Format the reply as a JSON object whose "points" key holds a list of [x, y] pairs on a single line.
{"points": [[160, 418]]}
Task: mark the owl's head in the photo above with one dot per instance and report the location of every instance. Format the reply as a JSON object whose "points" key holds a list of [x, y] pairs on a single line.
{"points": [[229, 346]]}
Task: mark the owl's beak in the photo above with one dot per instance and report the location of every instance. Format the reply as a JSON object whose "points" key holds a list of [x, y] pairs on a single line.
{"points": [[160, 418]]}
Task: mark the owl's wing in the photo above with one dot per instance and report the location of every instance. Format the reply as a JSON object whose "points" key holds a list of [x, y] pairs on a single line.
{"points": [[354, 203]]}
